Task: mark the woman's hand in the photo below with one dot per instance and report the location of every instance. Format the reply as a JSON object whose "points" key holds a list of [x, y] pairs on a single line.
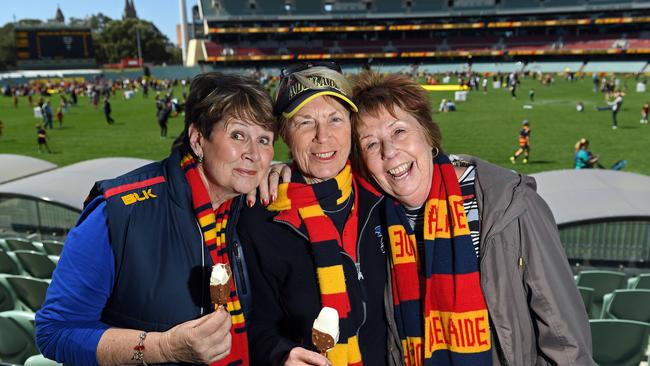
{"points": [[300, 357], [203, 340], [277, 173]]}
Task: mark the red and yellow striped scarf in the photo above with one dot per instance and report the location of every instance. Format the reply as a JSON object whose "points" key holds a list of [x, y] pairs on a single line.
{"points": [[213, 226], [326, 243], [454, 328]]}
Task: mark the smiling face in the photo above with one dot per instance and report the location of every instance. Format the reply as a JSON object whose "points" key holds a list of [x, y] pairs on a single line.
{"points": [[319, 136], [397, 154], [235, 157]]}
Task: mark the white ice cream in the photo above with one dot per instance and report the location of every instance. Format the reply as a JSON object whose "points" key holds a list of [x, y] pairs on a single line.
{"points": [[328, 322], [219, 275]]}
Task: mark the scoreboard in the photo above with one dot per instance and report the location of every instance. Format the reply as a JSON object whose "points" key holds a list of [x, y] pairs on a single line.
{"points": [[33, 44]]}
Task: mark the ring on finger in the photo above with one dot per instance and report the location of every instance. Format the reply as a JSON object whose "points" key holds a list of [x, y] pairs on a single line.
{"points": [[275, 171]]}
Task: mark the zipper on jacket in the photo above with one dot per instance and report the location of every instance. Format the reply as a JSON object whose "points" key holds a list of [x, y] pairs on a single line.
{"points": [[202, 265], [357, 263], [236, 251]]}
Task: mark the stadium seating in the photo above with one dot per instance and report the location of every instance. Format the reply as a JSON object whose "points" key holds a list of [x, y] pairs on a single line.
{"points": [[8, 264], [52, 247], [307, 7], [392, 6], [587, 294], [37, 264], [618, 342], [603, 282], [40, 360], [16, 336], [640, 281], [7, 297], [627, 304], [29, 291], [19, 244]]}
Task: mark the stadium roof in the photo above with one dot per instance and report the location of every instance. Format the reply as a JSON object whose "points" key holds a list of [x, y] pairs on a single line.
{"points": [[69, 185], [18, 166], [594, 194]]}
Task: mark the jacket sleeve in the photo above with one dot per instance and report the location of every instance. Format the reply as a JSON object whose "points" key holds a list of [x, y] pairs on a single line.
{"points": [[564, 336], [68, 326], [267, 344]]}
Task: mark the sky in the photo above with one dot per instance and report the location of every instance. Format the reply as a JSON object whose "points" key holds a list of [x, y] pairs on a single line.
{"points": [[164, 14]]}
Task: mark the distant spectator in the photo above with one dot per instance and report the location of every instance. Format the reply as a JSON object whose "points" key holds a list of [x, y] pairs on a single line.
{"points": [[531, 95], [41, 138], [584, 159], [512, 84], [14, 98], [484, 83], [644, 113], [107, 111], [524, 143], [163, 117], [615, 106], [47, 114], [94, 95], [59, 116], [2, 125]]}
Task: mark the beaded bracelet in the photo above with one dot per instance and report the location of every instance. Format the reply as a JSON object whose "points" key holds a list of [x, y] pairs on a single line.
{"points": [[138, 351]]}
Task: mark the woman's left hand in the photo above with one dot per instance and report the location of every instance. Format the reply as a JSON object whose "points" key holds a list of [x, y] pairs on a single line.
{"points": [[277, 173]]}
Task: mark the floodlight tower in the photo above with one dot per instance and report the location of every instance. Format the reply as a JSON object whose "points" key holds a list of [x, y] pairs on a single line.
{"points": [[183, 13]]}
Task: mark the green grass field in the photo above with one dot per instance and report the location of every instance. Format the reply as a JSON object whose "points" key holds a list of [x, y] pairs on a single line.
{"points": [[486, 126]]}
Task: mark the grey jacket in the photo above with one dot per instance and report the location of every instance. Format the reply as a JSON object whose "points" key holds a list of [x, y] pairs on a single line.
{"points": [[536, 312]]}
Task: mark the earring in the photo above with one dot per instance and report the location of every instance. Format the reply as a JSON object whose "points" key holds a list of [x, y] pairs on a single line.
{"points": [[199, 159], [437, 152]]}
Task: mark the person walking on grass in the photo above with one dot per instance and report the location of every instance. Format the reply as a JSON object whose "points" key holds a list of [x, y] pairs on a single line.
{"points": [[47, 114], [163, 117], [59, 116], [1, 127], [107, 111], [644, 113], [41, 138], [524, 143]]}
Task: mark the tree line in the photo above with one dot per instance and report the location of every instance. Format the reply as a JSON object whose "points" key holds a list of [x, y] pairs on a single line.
{"points": [[113, 40]]}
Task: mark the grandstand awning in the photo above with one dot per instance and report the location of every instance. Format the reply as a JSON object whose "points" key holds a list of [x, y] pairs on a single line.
{"points": [[17, 166], [594, 194], [69, 185]]}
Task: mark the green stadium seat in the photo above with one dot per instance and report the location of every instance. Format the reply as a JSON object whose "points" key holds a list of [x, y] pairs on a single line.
{"points": [[619, 342], [20, 244], [7, 264], [52, 247], [40, 360], [16, 336], [7, 297], [603, 282], [36, 264], [627, 304], [587, 294], [29, 291], [640, 281]]}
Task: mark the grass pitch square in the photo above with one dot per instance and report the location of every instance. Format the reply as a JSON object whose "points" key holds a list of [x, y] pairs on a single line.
{"points": [[486, 125]]}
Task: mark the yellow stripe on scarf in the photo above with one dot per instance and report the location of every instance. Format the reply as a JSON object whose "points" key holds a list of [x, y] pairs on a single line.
{"points": [[331, 279]]}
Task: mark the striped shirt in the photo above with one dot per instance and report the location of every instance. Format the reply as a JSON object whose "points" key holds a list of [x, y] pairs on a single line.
{"points": [[466, 181]]}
